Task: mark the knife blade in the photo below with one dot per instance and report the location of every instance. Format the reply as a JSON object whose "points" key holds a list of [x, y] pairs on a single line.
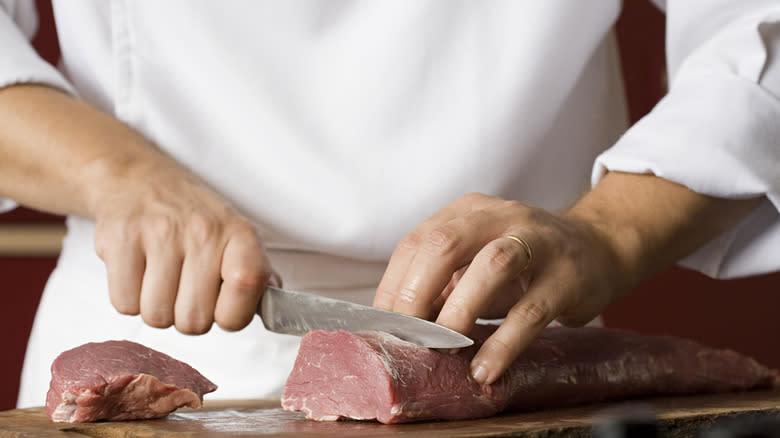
{"points": [[296, 313]]}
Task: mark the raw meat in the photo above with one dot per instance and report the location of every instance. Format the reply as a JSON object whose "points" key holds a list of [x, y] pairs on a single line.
{"points": [[121, 380], [374, 375]]}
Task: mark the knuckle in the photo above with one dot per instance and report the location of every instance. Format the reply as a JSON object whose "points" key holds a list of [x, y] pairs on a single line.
{"points": [[442, 241], [202, 228], [384, 296], [108, 235], [101, 241], [248, 278], [515, 207], [501, 346], [540, 219], [533, 314], [104, 227], [458, 310], [411, 241], [408, 295], [526, 213], [500, 259], [537, 216], [241, 225], [161, 226], [569, 267], [478, 216]]}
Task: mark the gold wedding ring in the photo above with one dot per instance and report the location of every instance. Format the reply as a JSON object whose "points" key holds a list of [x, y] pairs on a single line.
{"points": [[526, 247]]}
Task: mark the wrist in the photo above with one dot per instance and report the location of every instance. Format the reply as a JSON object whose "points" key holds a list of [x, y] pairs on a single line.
{"points": [[652, 223], [66, 157], [637, 217], [623, 241], [129, 166]]}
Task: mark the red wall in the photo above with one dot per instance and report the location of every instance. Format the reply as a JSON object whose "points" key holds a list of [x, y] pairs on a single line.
{"points": [[23, 281], [741, 314], [23, 278]]}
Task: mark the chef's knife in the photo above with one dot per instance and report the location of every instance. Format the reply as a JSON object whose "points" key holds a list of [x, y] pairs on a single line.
{"points": [[296, 313]]}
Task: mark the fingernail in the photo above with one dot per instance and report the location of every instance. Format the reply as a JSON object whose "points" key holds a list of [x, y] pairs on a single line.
{"points": [[453, 351], [479, 373]]}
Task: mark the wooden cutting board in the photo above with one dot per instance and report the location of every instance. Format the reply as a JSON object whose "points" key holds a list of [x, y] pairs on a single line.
{"points": [[677, 417]]}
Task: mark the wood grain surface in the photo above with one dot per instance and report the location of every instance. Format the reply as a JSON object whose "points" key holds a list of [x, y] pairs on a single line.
{"points": [[31, 240], [676, 416]]}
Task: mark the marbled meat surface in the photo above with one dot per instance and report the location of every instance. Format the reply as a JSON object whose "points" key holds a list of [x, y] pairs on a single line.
{"points": [[377, 376], [121, 380]]}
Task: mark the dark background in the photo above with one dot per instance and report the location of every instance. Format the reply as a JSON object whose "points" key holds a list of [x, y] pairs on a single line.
{"points": [[738, 314]]}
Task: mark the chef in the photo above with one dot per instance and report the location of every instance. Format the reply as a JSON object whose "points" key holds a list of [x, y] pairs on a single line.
{"points": [[202, 150]]}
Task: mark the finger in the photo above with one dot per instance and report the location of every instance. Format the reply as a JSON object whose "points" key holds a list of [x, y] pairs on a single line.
{"points": [[245, 272], [401, 260], [125, 269], [508, 296], [387, 291], [438, 303], [445, 250], [498, 263], [542, 303], [160, 284], [198, 288]]}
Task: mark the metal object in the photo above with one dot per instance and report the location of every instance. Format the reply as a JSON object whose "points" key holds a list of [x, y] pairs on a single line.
{"points": [[296, 313]]}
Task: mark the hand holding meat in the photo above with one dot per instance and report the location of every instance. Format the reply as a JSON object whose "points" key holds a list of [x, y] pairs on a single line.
{"points": [[486, 257], [461, 263]]}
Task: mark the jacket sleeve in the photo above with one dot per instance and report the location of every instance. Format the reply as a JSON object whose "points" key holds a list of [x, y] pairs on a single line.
{"points": [[19, 63], [717, 131]]}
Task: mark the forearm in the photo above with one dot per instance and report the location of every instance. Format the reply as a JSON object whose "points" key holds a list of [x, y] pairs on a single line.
{"points": [[652, 223], [59, 154], [174, 250]]}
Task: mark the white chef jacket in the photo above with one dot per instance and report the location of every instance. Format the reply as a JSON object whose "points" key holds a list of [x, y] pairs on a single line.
{"points": [[337, 126]]}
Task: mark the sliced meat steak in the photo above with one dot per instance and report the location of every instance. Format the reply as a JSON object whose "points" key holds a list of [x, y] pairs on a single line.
{"points": [[373, 375], [121, 380]]}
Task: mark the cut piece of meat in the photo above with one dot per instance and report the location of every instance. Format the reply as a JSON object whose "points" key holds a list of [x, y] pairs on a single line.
{"points": [[374, 375], [121, 380]]}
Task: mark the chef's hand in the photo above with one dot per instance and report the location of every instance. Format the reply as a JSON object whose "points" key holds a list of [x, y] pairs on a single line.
{"points": [[178, 254], [485, 257], [464, 262], [175, 252]]}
